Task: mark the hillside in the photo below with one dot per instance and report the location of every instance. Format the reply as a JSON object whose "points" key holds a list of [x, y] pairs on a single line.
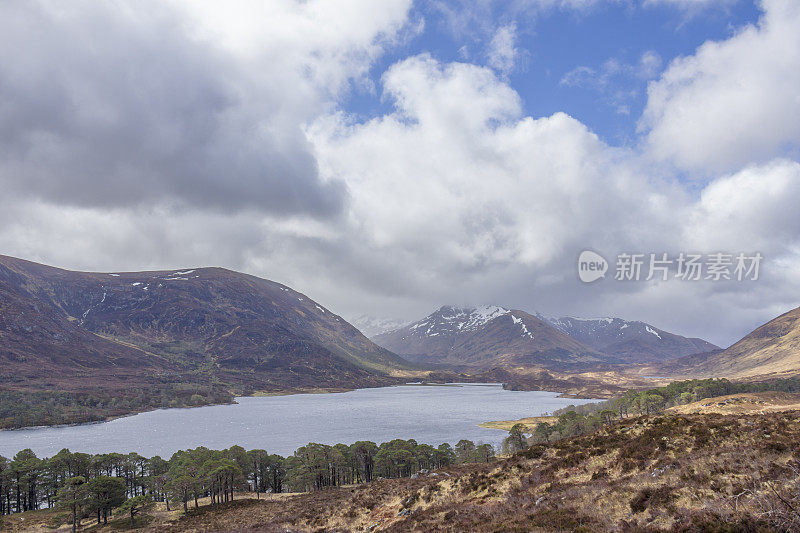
{"points": [[743, 403], [770, 351], [665, 473], [630, 340], [80, 331], [487, 337]]}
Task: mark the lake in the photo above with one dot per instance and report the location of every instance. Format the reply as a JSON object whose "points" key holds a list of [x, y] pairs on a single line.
{"points": [[431, 414]]}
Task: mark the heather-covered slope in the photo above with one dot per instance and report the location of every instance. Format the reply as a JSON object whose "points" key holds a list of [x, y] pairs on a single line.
{"points": [[672, 473], [772, 350], [212, 325]]}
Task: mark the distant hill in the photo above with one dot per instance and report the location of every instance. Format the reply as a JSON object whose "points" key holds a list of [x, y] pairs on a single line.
{"points": [[372, 326], [488, 336], [200, 323], [632, 341], [772, 350]]}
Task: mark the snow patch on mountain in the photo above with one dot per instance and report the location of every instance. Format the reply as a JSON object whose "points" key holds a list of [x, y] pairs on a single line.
{"points": [[525, 331], [452, 320], [480, 316], [650, 330]]}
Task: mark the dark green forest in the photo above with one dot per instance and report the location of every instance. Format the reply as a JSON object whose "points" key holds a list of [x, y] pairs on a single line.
{"points": [[94, 485]]}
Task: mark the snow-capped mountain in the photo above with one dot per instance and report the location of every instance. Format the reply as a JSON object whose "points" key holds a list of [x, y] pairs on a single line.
{"points": [[372, 326], [633, 341], [486, 336]]}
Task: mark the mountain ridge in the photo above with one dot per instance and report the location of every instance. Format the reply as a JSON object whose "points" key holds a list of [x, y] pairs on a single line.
{"points": [[605, 340], [633, 340], [771, 350], [484, 337], [247, 329]]}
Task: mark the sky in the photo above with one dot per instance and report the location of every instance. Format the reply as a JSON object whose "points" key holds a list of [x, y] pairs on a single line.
{"points": [[387, 158]]}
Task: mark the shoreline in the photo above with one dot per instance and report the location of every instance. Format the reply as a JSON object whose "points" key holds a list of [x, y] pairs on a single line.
{"points": [[256, 394], [322, 390]]}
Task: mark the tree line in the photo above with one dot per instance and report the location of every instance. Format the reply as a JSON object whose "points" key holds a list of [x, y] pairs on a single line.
{"points": [[21, 408], [582, 419], [97, 484]]}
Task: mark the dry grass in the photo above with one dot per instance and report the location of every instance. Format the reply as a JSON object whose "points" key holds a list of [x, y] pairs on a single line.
{"points": [[529, 422], [700, 472], [743, 403], [671, 473]]}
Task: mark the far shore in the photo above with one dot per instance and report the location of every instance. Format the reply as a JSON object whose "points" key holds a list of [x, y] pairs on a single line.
{"points": [[308, 390]]}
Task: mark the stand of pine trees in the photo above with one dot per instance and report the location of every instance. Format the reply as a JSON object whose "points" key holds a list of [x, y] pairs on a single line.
{"points": [[93, 486]]}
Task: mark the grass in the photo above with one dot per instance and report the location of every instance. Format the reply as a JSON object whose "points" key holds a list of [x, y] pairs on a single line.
{"points": [[698, 472], [743, 403], [529, 422], [665, 473]]}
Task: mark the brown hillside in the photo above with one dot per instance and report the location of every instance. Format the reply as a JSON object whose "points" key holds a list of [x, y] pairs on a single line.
{"points": [[771, 351]]}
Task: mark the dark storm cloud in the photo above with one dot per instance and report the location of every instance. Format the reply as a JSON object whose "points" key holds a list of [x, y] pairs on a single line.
{"points": [[101, 106]]}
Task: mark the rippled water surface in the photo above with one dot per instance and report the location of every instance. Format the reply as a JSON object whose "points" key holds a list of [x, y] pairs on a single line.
{"points": [[280, 424]]}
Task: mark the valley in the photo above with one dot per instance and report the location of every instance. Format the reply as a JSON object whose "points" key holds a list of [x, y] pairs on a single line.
{"points": [[83, 347], [666, 471], [89, 347], [78, 347]]}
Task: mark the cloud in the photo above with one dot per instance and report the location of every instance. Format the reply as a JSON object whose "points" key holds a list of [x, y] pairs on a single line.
{"points": [[459, 184], [502, 52], [691, 5], [753, 208], [492, 26], [198, 135], [615, 80], [485, 204], [733, 102], [194, 104]]}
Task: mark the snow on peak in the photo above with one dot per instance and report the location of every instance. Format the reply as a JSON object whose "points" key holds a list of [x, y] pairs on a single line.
{"points": [[522, 325], [482, 315], [651, 330], [450, 319]]}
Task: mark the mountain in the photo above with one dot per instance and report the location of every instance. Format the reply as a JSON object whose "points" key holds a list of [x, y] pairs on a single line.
{"points": [[770, 351], [485, 337], [632, 341], [372, 326], [208, 324]]}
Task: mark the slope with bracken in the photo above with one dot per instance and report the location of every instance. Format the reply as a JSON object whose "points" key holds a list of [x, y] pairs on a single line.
{"points": [[630, 340], [488, 336], [210, 322], [770, 351], [669, 473]]}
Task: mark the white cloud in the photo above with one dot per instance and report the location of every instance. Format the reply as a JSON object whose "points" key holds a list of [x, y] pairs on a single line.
{"points": [[615, 80], [456, 180], [649, 65], [474, 198], [502, 53], [751, 210], [454, 195], [733, 102], [691, 4]]}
